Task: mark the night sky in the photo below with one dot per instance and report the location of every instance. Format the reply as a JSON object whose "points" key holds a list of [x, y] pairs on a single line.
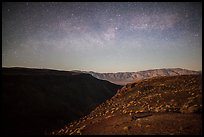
{"points": [[102, 37]]}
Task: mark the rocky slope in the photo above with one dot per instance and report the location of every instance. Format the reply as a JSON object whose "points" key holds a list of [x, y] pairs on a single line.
{"points": [[157, 106], [35, 101], [124, 78]]}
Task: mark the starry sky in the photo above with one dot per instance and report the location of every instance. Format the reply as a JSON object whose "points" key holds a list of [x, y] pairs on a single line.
{"points": [[102, 37]]}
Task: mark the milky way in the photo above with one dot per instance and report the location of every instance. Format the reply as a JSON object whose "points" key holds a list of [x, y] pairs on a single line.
{"points": [[102, 37]]}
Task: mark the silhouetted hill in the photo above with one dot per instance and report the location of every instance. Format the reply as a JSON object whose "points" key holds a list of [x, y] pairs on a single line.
{"points": [[124, 78], [38, 100], [157, 106]]}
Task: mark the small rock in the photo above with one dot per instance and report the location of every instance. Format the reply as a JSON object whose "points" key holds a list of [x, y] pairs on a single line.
{"points": [[138, 119], [66, 131], [107, 117], [139, 125], [78, 132], [147, 125], [71, 125], [126, 127]]}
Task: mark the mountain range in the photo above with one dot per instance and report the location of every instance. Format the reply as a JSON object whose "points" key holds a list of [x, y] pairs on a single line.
{"points": [[123, 78]]}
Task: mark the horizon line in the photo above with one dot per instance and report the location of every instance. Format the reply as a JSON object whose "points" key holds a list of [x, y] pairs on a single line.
{"points": [[97, 71]]}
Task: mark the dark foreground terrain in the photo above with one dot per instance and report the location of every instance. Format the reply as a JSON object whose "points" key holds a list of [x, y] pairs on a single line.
{"points": [[157, 106], [36, 101]]}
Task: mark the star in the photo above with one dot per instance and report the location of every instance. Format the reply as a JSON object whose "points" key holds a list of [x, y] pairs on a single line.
{"points": [[91, 32]]}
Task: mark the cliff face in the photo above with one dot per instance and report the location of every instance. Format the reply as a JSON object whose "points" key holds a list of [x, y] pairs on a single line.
{"points": [[34, 101]]}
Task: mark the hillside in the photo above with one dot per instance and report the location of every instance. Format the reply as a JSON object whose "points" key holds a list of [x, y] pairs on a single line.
{"points": [[35, 101], [157, 106], [123, 78]]}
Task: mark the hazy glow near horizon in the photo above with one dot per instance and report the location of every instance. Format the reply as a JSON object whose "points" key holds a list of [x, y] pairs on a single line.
{"points": [[102, 37]]}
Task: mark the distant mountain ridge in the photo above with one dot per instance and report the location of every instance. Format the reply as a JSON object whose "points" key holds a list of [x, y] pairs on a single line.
{"points": [[124, 78]]}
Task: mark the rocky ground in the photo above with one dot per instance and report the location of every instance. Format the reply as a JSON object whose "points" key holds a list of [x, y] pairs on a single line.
{"points": [[156, 106]]}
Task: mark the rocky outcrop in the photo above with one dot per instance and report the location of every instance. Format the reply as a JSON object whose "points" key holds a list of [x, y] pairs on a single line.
{"points": [[160, 105]]}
